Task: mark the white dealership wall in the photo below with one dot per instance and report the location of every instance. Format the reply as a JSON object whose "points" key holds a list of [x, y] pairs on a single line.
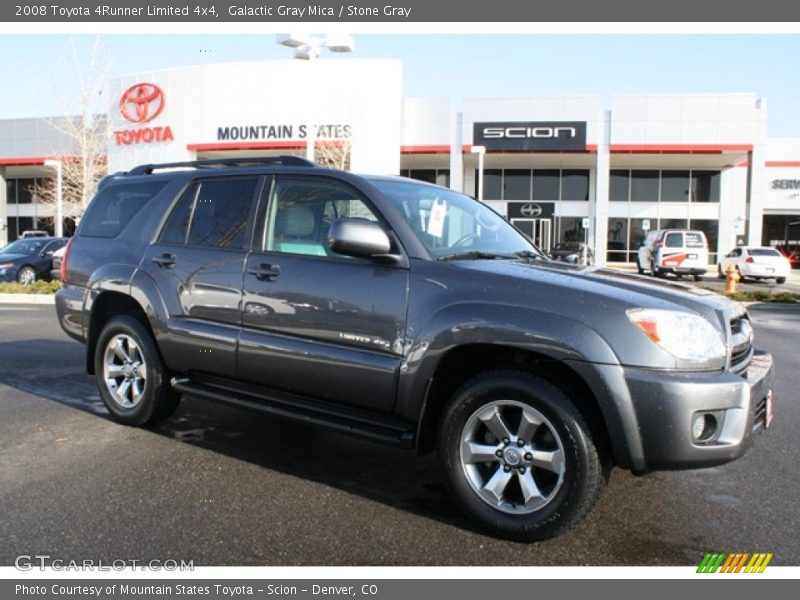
{"points": [[364, 94]]}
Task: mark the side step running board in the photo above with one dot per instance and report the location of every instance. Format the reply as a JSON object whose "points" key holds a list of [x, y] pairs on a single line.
{"points": [[386, 431]]}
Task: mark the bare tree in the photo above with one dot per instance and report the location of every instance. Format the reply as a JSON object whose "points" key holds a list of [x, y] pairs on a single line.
{"points": [[333, 154], [81, 138]]}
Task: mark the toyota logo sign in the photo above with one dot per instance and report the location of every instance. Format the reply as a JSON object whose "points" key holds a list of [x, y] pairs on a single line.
{"points": [[531, 210], [141, 103]]}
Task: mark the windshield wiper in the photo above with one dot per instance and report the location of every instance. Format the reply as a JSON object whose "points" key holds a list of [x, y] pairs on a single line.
{"points": [[476, 255], [531, 255]]}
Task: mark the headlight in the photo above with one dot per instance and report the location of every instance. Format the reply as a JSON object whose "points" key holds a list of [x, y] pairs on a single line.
{"points": [[684, 335], [6, 265]]}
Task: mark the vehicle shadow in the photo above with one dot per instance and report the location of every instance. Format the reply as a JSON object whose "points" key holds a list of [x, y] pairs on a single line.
{"points": [[395, 477]]}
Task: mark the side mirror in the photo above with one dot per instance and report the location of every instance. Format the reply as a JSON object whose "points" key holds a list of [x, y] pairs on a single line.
{"points": [[359, 238]]}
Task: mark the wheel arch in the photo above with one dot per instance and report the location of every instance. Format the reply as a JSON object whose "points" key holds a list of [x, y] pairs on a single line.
{"points": [[466, 361]]}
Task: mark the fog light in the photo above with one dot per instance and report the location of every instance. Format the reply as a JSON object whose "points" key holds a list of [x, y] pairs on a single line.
{"points": [[704, 427]]}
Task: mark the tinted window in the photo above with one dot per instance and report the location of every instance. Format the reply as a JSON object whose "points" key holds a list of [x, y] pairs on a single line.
{"points": [[517, 184], [574, 184], [492, 184], [302, 210], [114, 207], [763, 252], [644, 186], [674, 240], [212, 213], [546, 184], [28, 246], [618, 185], [705, 186], [674, 186]]}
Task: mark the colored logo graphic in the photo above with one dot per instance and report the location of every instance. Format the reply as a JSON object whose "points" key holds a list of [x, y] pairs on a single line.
{"points": [[141, 103], [743, 562]]}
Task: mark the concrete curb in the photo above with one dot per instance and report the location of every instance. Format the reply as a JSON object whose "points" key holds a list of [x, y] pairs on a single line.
{"points": [[27, 298]]}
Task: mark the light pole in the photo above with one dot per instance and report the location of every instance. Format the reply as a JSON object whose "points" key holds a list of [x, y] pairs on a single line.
{"points": [[480, 151], [307, 47], [59, 220]]}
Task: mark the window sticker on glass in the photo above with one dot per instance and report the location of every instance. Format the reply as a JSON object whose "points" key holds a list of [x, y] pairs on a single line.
{"points": [[436, 221]]}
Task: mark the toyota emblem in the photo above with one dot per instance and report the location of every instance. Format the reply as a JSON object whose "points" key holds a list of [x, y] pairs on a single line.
{"points": [[141, 103], [531, 210]]}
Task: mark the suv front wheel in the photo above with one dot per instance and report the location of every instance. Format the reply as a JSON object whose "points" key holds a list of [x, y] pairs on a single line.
{"points": [[519, 456], [132, 378]]}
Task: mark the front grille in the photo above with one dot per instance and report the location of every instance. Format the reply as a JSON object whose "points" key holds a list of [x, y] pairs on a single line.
{"points": [[741, 343]]}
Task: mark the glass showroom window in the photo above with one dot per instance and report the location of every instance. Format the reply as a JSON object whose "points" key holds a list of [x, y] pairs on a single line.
{"points": [[617, 240], [666, 185], [517, 184], [711, 228], [675, 186], [437, 176], [546, 184], [575, 184], [570, 229], [619, 185]]}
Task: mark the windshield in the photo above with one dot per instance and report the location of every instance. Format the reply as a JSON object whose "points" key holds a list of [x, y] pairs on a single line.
{"points": [[763, 252], [450, 224], [29, 246]]}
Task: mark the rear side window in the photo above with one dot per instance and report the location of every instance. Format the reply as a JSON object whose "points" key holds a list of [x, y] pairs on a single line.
{"points": [[674, 240], [213, 213], [695, 240], [115, 206]]}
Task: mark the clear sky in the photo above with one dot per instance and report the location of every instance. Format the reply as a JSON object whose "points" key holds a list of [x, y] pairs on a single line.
{"points": [[460, 66]]}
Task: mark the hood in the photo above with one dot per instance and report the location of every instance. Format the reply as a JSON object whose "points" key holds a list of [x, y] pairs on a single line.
{"points": [[606, 287]]}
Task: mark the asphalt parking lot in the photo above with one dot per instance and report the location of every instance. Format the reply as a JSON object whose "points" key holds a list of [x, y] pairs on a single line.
{"points": [[225, 487]]}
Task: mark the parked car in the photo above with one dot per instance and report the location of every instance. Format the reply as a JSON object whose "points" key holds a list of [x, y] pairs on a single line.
{"points": [[756, 262], [573, 253], [27, 260], [33, 233], [55, 270], [792, 252], [677, 251], [411, 315]]}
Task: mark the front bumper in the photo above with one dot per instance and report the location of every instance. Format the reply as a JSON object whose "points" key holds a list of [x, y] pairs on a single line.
{"points": [[8, 275], [667, 403]]}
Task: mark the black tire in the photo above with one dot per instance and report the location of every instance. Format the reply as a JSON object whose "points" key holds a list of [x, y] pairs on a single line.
{"points": [[780, 280], [654, 270], [639, 268], [26, 275], [720, 274], [698, 277], [576, 489], [157, 400]]}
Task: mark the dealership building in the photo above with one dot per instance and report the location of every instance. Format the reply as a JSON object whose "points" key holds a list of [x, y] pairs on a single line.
{"points": [[561, 168]]}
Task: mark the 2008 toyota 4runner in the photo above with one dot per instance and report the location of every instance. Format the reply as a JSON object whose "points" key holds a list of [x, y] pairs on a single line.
{"points": [[408, 314]]}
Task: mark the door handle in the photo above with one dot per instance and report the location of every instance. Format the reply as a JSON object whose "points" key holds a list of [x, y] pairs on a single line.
{"points": [[165, 261], [265, 271]]}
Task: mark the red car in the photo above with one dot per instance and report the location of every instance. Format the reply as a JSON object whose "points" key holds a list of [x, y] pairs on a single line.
{"points": [[792, 253]]}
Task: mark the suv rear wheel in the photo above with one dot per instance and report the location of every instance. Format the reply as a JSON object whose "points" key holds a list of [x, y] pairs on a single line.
{"points": [[133, 381], [519, 456]]}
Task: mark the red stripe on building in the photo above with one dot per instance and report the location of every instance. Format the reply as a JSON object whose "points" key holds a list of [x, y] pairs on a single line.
{"points": [[783, 163], [427, 149], [35, 161], [680, 148], [287, 145]]}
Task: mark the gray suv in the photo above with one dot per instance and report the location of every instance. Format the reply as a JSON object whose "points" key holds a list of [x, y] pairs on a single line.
{"points": [[407, 314]]}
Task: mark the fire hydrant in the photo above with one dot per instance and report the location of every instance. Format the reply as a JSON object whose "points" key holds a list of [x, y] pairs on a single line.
{"points": [[731, 279]]}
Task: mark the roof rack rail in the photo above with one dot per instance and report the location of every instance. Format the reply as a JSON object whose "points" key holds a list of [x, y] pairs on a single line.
{"points": [[210, 163]]}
